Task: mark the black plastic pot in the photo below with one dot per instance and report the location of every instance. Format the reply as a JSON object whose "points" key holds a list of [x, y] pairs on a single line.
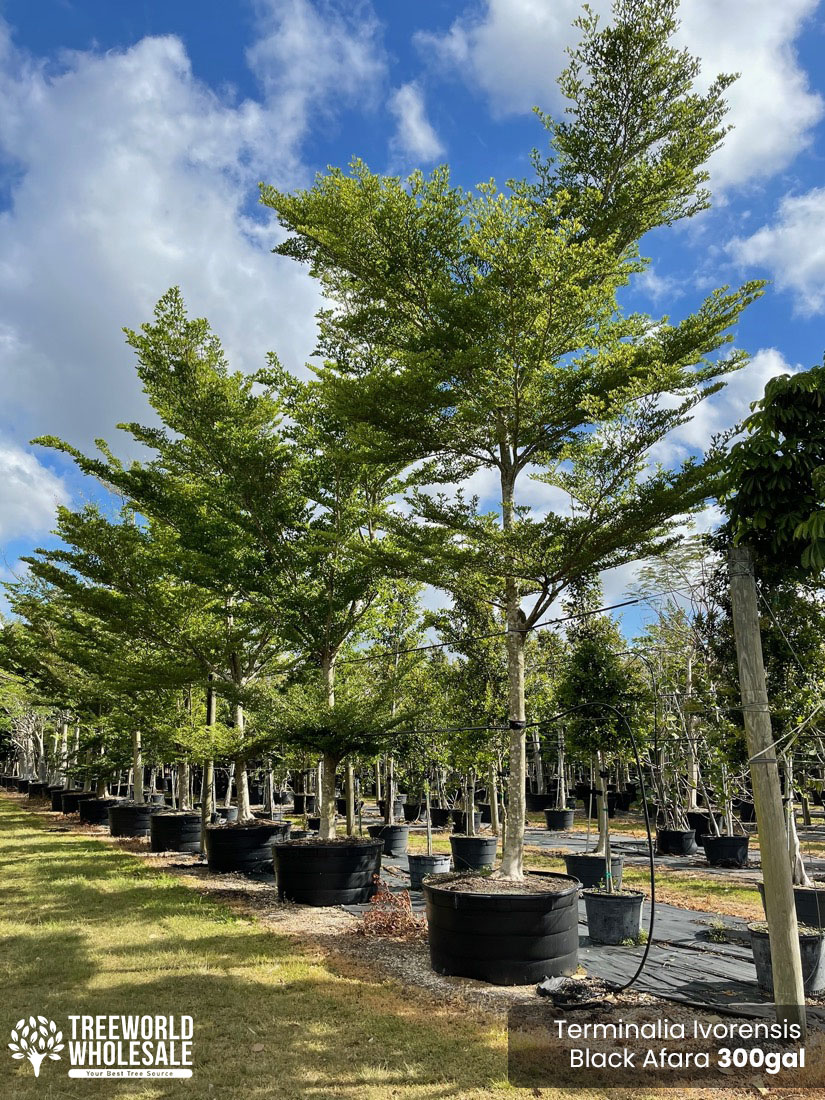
{"points": [[726, 851], [536, 803], [256, 794], [397, 808], [327, 873], [412, 811], [503, 938], [613, 918], [421, 865], [439, 817], [157, 799], [23, 786], [558, 821], [175, 832], [486, 811], [395, 837], [623, 801], [473, 853], [460, 818], [243, 847], [313, 824], [224, 815], [57, 799], [70, 799], [700, 822], [590, 869], [37, 789], [591, 808], [131, 818], [675, 842], [809, 902], [745, 811], [303, 803], [813, 960], [95, 811]]}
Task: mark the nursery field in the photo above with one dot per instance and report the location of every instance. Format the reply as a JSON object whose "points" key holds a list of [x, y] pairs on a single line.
{"points": [[279, 994]]}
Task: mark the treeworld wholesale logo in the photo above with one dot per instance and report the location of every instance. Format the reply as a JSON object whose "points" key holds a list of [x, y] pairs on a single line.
{"points": [[36, 1039], [109, 1046]]}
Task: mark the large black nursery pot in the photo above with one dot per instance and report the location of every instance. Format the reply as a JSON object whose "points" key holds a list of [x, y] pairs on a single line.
{"points": [[473, 853], [243, 847], [313, 824], [303, 803], [613, 918], [536, 803], [486, 811], [422, 865], [810, 948], [327, 872], [699, 821], [395, 837], [70, 799], [460, 818], [95, 811], [559, 821], [745, 811], [158, 798], [591, 806], [397, 808], [171, 831], [57, 798], [412, 811], [590, 869], [37, 789], [131, 818], [809, 903], [341, 806], [439, 817], [224, 815], [726, 851], [507, 937], [23, 786], [675, 842]]}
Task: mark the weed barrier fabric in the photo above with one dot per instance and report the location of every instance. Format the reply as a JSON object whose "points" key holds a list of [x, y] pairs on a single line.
{"points": [[643, 1047]]}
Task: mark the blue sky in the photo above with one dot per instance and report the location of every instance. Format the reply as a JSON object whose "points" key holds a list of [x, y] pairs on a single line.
{"points": [[133, 136]]}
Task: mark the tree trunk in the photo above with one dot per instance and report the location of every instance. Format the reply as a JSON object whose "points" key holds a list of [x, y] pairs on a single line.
{"points": [[230, 779], [241, 777], [326, 797], [789, 993], [389, 793], [378, 779], [693, 762], [512, 860], [208, 776], [494, 821], [183, 785], [535, 741], [601, 809], [137, 768], [349, 791]]}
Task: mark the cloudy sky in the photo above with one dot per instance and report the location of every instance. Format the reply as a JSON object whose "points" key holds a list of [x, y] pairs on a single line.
{"points": [[133, 136]]}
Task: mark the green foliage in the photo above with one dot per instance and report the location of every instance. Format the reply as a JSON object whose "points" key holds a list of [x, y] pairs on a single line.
{"points": [[775, 490]]}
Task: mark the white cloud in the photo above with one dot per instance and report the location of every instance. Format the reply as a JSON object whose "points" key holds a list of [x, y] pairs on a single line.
{"points": [[513, 51], [724, 409], [130, 175], [414, 138], [793, 249], [29, 493], [311, 59]]}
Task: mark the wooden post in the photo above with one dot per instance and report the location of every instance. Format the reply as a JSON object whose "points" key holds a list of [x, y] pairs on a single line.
{"points": [[789, 992]]}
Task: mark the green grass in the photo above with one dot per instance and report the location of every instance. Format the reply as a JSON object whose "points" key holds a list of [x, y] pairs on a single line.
{"points": [[88, 928]]}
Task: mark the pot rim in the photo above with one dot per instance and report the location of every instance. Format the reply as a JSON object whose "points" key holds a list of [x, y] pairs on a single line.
{"points": [[431, 882]]}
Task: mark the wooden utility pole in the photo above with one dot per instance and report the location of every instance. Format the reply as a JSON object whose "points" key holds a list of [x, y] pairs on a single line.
{"points": [[788, 990]]}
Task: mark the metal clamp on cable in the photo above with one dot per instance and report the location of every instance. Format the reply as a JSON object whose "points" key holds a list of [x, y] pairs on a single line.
{"points": [[517, 724]]}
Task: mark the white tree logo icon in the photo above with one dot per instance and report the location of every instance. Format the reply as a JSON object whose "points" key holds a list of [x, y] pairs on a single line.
{"points": [[36, 1040]]}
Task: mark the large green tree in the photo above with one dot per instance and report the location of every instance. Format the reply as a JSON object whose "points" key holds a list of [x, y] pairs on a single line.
{"points": [[481, 330]]}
